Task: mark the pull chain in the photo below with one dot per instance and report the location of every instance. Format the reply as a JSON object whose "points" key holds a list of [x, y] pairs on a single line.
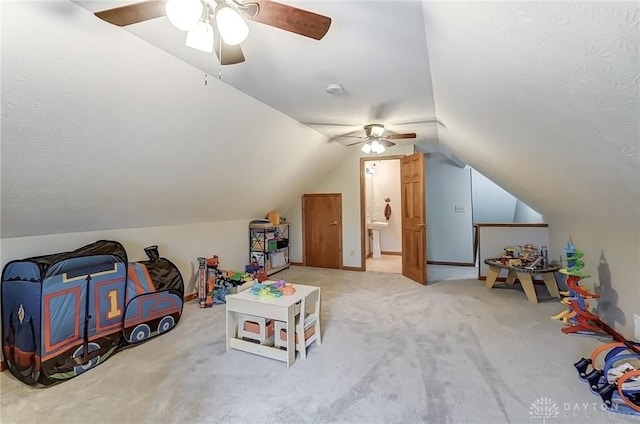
{"points": [[220, 61], [206, 66]]}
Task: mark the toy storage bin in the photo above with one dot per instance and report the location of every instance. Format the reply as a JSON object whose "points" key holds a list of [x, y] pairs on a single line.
{"points": [[256, 328], [278, 259], [281, 334], [272, 245]]}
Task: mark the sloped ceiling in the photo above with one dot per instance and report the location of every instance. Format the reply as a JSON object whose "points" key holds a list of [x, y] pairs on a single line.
{"points": [[375, 48], [103, 121], [543, 98], [102, 131]]}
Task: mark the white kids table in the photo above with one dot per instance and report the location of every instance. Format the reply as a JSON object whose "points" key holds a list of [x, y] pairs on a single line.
{"points": [[278, 308]]}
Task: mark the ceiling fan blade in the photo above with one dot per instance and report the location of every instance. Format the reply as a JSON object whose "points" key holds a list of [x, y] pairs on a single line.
{"points": [[288, 18], [227, 55], [353, 144], [386, 143], [133, 13], [400, 136]]}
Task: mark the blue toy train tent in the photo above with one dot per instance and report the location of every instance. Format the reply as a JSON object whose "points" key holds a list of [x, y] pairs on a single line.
{"points": [[65, 313]]}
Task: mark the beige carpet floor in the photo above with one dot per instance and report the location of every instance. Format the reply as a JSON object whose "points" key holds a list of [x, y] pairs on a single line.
{"points": [[393, 351]]}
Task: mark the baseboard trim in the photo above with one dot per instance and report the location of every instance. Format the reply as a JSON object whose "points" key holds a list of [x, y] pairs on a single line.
{"points": [[391, 253], [450, 263], [296, 263], [353, 268]]}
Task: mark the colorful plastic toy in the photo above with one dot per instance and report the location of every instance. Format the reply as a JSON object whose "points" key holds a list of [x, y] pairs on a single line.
{"points": [[616, 381], [287, 290], [265, 290], [577, 318]]}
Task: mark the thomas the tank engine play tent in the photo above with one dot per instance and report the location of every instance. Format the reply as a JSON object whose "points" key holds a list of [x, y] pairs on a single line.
{"points": [[65, 313]]}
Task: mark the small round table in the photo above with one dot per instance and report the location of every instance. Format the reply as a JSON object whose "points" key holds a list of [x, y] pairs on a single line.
{"points": [[524, 275]]}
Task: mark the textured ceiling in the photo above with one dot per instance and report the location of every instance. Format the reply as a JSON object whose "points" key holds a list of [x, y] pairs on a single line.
{"points": [[376, 49], [543, 98], [102, 131], [98, 120]]}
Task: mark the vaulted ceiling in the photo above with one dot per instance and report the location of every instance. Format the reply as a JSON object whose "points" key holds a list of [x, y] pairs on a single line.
{"points": [[118, 123]]}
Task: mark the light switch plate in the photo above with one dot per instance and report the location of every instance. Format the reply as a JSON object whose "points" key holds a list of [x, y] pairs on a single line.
{"points": [[459, 208]]}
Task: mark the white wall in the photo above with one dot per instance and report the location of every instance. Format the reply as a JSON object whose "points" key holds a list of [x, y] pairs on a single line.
{"points": [[491, 203], [343, 178], [385, 183], [524, 213], [181, 244], [449, 233], [101, 130], [612, 258]]}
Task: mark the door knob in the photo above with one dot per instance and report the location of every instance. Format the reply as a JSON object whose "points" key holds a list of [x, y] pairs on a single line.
{"points": [[422, 225], [334, 223]]}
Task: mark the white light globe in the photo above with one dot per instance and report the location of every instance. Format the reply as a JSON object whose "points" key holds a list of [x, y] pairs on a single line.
{"points": [[184, 14], [200, 37], [366, 148], [233, 29]]}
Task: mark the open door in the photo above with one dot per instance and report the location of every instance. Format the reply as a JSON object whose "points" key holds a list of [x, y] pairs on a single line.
{"points": [[322, 230], [414, 218]]}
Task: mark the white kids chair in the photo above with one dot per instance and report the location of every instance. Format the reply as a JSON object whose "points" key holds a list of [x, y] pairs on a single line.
{"points": [[307, 325]]}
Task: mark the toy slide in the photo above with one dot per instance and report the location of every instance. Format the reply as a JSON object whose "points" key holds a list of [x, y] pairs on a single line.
{"points": [[612, 375]]}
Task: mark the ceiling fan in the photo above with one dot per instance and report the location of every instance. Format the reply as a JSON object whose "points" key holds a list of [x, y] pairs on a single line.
{"points": [[375, 139], [223, 20]]}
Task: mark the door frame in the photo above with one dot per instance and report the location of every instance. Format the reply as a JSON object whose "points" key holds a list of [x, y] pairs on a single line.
{"points": [[363, 215]]}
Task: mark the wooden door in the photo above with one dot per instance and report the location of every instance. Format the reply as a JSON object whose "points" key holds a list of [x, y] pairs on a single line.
{"points": [[322, 230], [414, 218]]}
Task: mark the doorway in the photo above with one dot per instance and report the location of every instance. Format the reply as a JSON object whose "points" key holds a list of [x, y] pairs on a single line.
{"points": [[383, 246], [410, 207]]}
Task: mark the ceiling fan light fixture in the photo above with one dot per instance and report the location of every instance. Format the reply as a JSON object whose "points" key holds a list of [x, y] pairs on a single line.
{"points": [[184, 14], [375, 130], [200, 37], [376, 147], [366, 148], [233, 29]]}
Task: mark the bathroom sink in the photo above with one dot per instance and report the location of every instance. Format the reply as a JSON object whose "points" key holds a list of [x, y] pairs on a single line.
{"points": [[376, 225]]}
